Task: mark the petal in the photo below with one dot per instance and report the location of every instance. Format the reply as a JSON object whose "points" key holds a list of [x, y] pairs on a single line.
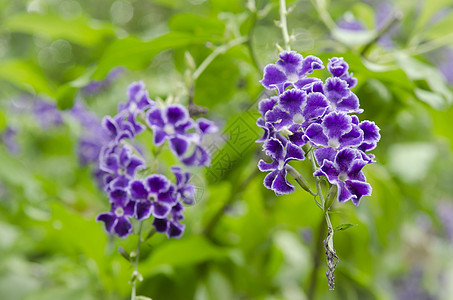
{"points": [[317, 105], [280, 185], [176, 114], [206, 126], [273, 77], [298, 138], [355, 170], [169, 196], [110, 163], [293, 152], [351, 139], [143, 209], [278, 118], [160, 225], [123, 227], [349, 104], [344, 159], [108, 219], [157, 183], [309, 64], [138, 190], [175, 230], [292, 101], [358, 189], [308, 84], [178, 145], [290, 62], [370, 131], [179, 174], [188, 193], [129, 209], [337, 66], [329, 170], [133, 165], [274, 149], [324, 153], [160, 210], [134, 89], [119, 197], [264, 166], [110, 125], [159, 136], [336, 89], [316, 135], [120, 182], [266, 104], [343, 192], [336, 124], [270, 178], [154, 118]]}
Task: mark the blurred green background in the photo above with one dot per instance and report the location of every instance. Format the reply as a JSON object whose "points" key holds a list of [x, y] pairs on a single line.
{"points": [[241, 242]]}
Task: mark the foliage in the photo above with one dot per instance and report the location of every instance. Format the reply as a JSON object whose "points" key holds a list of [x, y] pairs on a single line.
{"points": [[241, 241]]}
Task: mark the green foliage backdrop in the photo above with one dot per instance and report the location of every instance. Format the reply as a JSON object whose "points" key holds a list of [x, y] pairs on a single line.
{"points": [[241, 241]]}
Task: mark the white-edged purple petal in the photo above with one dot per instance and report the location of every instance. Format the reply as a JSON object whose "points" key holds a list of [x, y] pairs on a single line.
{"points": [[154, 118], [157, 183], [118, 197], [336, 124], [278, 118], [358, 189], [316, 107], [292, 101], [324, 153], [293, 152], [138, 190], [160, 225], [178, 145], [264, 166], [273, 78], [315, 134], [337, 66], [175, 230], [109, 220], [344, 159], [343, 192], [266, 104], [269, 179], [309, 64], [336, 89], [280, 185], [176, 114], [123, 227], [143, 209], [274, 148], [160, 210]]}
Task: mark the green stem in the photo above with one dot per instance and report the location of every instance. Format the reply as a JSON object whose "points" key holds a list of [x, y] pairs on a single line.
{"points": [[135, 274], [284, 25], [215, 53], [392, 20], [321, 8]]}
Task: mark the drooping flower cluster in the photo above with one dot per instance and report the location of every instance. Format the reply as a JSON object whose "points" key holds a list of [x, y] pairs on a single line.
{"points": [[320, 113], [121, 167]]}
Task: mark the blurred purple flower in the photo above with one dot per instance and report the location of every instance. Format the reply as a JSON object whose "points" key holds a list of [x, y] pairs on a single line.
{"points": [[46, 113], [96, 86], [9, 139]]}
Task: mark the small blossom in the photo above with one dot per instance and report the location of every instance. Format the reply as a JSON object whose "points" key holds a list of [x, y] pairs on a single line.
{"points": [[346, 172], [184, 189], [276, 179], [290, 70], [170, 224]]}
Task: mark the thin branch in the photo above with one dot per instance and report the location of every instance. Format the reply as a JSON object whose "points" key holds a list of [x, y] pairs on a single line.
{"points": [[283, 24], [218, 215], [392, 20], [136, 275]]}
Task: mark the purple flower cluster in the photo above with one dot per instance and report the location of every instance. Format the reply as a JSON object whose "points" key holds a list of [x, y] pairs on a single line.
{"points": [[96, 86], [320, 113], [121, 169]]}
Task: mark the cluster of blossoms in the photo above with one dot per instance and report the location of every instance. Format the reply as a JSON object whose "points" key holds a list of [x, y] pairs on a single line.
{"points": [[121, 167], [320, 113]]}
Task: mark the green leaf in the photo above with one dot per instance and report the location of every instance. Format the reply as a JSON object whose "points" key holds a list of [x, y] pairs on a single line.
{"points": [[183, 252], [343, 227], [26, 76], [365, 13], [196, 25], [80, 31], [135, 54]]}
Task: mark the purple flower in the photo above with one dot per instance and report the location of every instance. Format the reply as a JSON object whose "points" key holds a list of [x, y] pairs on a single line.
{"points": [[336, 131], [171, 123], [138, 99], [154, 195], [291, 69], [345, 171], [96, 86], [276, 179], [47, 113], [170, 224], [120, 166], [339, 68], [371, 137], [184, 189], [117, 220], [9, 138]]}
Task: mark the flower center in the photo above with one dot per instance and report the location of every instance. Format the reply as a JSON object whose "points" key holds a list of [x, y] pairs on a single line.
{"points": [[119, 211], [334, 143], [132, 107], [343, 176], [286, 131], [169, 129], [152, 198], [122, 171], [298, 119], [281, 164], [293, 77]]}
